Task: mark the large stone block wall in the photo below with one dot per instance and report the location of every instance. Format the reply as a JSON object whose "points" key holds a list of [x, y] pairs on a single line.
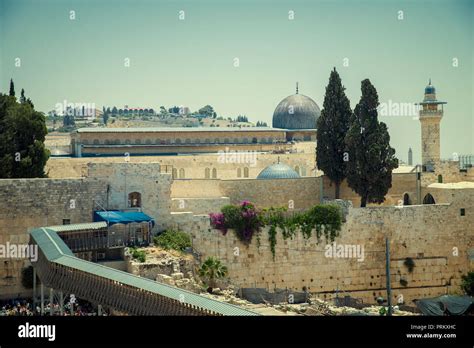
{"points": [[401, 184], [437, 238], [144, 178], [199, 205], [29, 203], [194, 166], [447, 171], [297, 193]]}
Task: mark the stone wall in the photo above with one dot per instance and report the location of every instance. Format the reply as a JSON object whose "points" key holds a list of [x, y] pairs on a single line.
{"points": [[436, 237], [29, 203], [446, 171], [401, 184], [199, 205], [291, 193], [194, 166], [122, 179]]}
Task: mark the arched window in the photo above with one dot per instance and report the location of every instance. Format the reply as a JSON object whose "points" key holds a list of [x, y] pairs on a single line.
{"points": [[178, 141], [208, 141], [214, 173], [246, 172], [216, 140], [226, 140], [175, 173], [117, 141], [138, 141], [127, 142], [134, 200], [254, 140], [440, 179], [207, 173], [428, 199], [148, 141], [157, 141], [96, 142], [245, 140], [270, 140], [297, 169], [406, 199], [236, 140], [85, 141], [239, 172], [181, 173], [303, 171], [188, 141]]}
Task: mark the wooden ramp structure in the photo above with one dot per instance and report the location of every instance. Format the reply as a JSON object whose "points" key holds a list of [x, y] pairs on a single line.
{"points": [[59, 269]]}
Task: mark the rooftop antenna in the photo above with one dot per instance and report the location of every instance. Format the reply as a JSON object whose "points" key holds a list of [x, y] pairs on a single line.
{"points": [[296, 87]]}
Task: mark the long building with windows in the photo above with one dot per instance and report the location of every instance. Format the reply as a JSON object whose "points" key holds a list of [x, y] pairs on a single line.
{"points": [[294, 120], [86, 142]]}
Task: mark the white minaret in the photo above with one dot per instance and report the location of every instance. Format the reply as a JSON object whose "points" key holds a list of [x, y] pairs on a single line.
{"points": [[430, 118]]}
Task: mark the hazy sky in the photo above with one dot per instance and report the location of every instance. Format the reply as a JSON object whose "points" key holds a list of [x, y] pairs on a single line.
{"points": [[191, 62]]}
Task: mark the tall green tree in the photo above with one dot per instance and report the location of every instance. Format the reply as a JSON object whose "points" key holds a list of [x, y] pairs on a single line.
{"points": [[12, 88], [332, 126], [22, 97], [371, 159], [22, 135]]}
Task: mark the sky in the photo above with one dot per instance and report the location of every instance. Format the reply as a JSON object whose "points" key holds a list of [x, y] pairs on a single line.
{"points": [[243, 57]]}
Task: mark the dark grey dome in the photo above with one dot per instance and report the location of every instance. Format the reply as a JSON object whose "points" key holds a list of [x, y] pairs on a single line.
{"points": [[278, 171], [296, 112]]}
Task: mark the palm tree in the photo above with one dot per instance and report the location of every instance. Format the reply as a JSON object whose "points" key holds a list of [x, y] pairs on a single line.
{"points": [[212, 269]]}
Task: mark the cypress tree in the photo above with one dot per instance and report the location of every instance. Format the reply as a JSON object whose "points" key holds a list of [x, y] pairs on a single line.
{"points": [[332, 126], [371, 159], [22, 97], [12, 88]]}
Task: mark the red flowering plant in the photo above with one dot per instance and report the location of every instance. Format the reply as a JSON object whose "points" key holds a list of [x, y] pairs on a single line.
{"points": [[244, 219]]}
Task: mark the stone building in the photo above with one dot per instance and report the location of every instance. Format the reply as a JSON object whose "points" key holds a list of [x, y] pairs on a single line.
{"points": [[430, 118]]}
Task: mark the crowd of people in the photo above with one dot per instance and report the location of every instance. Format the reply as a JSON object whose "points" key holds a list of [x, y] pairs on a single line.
{"points": [[25, 308]]}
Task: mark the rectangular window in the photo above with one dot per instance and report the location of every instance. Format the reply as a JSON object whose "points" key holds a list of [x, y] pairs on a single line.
{"points": [[463, 212], [66, 221]]}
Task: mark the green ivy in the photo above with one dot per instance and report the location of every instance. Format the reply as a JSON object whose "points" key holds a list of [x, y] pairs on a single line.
{"points": [[325, 220]]}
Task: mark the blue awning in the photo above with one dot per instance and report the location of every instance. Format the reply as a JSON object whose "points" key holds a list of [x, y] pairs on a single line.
{"points": [[122, 217]]}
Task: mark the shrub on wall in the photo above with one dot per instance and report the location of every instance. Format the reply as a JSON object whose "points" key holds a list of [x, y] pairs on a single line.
{"points": [[467, 284], [246, 220], [139, 255], [171, 239]]}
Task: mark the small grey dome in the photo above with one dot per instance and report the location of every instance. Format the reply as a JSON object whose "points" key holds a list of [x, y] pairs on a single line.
{"points": [[296, 112], [278, 171]]}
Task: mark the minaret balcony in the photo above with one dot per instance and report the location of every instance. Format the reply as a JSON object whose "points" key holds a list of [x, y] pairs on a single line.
{"points": [[431, 112]]}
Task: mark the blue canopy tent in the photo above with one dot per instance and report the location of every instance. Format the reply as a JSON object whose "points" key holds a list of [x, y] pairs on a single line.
{"points": [[122, 217], [133, 234]]}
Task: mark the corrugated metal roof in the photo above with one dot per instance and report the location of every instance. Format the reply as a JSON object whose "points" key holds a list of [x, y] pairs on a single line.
{"points": [[50, 243], [78, 227], [176, 129], [57, 251]]}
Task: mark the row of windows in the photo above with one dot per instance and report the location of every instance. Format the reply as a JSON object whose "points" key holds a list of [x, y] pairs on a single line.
{"points": [[180, 141], [208, 173], [212, 174]]}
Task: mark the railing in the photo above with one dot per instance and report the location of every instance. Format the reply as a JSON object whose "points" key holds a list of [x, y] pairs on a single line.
{"points": [[58, 269]]}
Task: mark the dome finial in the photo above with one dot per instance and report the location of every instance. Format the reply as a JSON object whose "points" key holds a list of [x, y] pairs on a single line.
{"points": [[296, 87], [430, 81]]}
